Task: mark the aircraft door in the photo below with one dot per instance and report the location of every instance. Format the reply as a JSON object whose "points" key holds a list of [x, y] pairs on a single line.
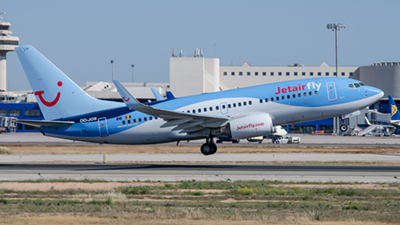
{"points": [[103, 127], [330, 87], [223, 107]]}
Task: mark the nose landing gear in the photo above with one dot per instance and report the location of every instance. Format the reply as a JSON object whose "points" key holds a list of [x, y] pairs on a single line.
{"points": [[209, 148]]}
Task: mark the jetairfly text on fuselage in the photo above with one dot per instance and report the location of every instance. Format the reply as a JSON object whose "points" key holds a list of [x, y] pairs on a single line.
{"points": [[310, 85]]}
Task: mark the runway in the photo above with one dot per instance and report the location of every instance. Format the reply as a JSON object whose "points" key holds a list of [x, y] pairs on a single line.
{"points": [[175, 172]]}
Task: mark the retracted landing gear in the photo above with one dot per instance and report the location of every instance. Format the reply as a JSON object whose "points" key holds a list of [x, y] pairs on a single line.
{"points": [[209, 148]]}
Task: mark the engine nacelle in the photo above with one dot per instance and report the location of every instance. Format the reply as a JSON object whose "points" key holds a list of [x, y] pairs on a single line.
{"points": [[249, 126]]}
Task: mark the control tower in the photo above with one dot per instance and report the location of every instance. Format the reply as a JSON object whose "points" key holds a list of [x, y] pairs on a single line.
{"points": [[7, 43]]}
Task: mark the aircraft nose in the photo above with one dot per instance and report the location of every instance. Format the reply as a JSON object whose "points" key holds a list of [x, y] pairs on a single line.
{"points": [[376, 92]]}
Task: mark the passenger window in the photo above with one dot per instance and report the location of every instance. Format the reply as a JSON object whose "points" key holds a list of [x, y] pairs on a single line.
{"points": [[140, 120], [134, 120], [210, 108], [123, 121], [261, 101], [310, 93], [229, 105], [150, 118], [145, 119], [299, 95], [239, 104], [315, 92], [129, 121], [250, 102], [294, 95], [205, 109], [188, 111], [277, 98], [217, 107], [199, 110], [244, 103], [305, 94], [266, 100], [223, 106], [234, 105], [272, 99], [283, 97], [288, 96], [194, 111]]}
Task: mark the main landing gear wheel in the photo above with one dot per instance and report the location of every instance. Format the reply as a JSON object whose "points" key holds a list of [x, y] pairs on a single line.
{"points": [[208, 148]]}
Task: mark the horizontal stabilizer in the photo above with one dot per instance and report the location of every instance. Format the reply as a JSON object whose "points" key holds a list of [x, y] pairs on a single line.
{"points": [[42, 123]]}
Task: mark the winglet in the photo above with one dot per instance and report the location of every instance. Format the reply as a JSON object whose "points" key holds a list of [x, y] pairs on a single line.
{"points": [[156, 94], [129, 100]]}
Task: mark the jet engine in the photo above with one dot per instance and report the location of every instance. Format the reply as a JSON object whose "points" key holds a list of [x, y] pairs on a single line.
{"points": [[249, 126]]}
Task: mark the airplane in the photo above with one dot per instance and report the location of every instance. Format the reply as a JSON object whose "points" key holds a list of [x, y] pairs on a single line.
{"points": [[280, 132], [71, 113], [395, 115]]}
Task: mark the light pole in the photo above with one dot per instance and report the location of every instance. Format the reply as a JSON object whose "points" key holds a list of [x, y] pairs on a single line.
{"points": [[335, 27], [112, 68]]}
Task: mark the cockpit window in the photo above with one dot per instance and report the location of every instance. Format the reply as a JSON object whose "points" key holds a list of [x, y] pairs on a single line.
{"points": [[351, 85], [361, 84], [357, 85]]}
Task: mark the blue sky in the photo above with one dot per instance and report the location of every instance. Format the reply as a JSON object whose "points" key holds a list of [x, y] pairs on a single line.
{"points": [[81, 37]]}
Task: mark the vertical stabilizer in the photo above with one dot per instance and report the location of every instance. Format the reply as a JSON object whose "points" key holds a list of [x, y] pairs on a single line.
{"points": [[395, 115], [58, 96]]}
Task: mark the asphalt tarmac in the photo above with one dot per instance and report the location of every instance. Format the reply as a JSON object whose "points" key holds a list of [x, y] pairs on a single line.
{"points": [[175, 172]]}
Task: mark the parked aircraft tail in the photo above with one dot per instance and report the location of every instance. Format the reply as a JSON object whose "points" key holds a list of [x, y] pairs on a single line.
{"points": [[395, 115], [58, 96]]}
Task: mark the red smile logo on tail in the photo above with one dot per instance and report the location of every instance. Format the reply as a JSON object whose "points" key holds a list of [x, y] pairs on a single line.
{"points": [[52, 103], [125, 99]]}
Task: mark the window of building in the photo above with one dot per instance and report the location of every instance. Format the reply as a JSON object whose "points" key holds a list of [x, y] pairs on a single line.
{"points": [[351, 74], [15, 112], [343, 73], [233, 73], [272, 73], [287, 73], [248, 73], [33, 112], [327, 74], [3, 112], [279, 73], [264, 73], [303, 73], [240, 73], [256, 73], [311, 73], [295, 73], [334, 74], [319, 73], [225, 73]]}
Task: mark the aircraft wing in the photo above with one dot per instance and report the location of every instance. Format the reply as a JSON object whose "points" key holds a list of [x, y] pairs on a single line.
{"points": [[184, 121], [40, 123]]}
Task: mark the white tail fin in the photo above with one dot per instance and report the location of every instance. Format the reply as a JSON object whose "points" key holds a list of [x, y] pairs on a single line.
{"points": [[58, 96]]}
